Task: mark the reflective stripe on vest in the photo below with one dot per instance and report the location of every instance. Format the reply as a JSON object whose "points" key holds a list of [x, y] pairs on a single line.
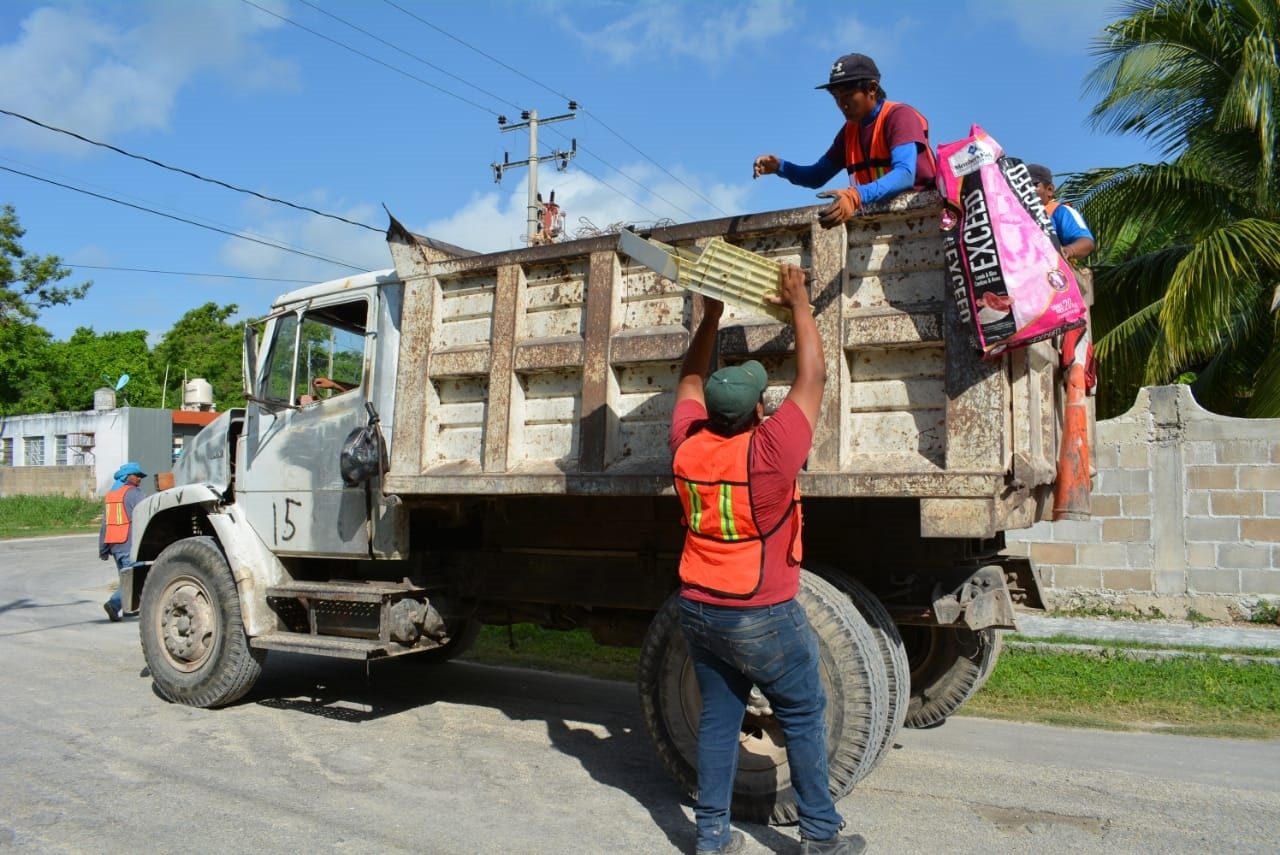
{"points": [[865, 168], [724, 548], [116, 518]]}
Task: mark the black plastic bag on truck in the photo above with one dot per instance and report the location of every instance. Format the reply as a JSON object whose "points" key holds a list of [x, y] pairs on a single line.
{"points": [[364, 453]]}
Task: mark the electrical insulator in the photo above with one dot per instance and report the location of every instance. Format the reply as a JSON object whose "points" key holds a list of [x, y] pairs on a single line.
{"points": [[502, 120], [573, 105], [524, 114]]}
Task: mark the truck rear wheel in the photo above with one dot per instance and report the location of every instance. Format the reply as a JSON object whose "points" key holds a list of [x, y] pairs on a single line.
{"points": [[892, 651], [948, 665], [852, 674], [192, 634]]}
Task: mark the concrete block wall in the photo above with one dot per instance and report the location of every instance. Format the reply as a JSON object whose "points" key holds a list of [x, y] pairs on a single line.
{"points": [[47, 481], [1185, 514]]}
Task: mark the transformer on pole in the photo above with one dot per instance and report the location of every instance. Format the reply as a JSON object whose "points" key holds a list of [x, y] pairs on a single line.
{"points": [[531, 121]]}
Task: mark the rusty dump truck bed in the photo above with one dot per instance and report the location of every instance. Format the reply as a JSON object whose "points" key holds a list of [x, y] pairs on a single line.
{"points": [[552, 369]]}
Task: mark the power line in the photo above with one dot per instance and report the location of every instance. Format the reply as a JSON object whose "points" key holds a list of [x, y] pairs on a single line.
{"points": [[187, 172], [538, 83], [185, 273], [107, 191], [431, 65], [443, 32], [374, 59], [654, 162], [412, 56], [227, 232]]}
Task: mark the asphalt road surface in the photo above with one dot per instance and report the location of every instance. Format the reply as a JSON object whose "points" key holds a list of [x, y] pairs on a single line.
{"points": [[328, 756]]}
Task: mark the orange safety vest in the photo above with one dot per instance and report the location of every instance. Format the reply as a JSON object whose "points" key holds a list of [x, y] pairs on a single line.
{"points": [[867, 167], [724, 548], [116, 518]]}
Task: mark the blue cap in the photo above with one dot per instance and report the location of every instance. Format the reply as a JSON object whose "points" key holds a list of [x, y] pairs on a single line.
{"points": [[128, 469]]}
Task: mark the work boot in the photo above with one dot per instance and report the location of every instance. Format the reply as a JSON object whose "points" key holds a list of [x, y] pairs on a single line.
{"points": [[112, 614], [737, 842], [854, 844]]}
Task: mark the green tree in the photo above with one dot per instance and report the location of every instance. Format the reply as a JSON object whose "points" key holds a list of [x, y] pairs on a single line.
{"points": [[1190, 247], [88, 361], [24, 368], [27, 283], [203, 343]]}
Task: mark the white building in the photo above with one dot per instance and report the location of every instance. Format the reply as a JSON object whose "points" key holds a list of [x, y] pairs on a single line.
{"points": [[76, 453]]}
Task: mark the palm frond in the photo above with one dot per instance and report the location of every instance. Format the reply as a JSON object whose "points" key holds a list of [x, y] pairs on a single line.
{"points": [[1221, 278]]}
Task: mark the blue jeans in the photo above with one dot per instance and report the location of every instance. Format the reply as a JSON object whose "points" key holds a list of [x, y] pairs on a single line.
{"points": [[122, 562], [774, 648]]}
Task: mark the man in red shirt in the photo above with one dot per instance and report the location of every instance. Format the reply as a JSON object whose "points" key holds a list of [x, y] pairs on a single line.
{"points": [[883, 145], [735, 473]]}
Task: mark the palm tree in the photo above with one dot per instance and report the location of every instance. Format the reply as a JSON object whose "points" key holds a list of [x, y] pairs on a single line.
{"points": [[1189, 271]]}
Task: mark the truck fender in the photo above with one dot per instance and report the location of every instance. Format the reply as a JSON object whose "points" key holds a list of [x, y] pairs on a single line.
{"points": [[254, 566]]}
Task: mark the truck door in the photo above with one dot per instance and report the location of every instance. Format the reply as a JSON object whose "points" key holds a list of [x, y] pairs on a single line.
{"points": [[311, 393]]}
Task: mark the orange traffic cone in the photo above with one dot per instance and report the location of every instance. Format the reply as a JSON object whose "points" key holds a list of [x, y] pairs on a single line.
{"points": [[1071, 490]]}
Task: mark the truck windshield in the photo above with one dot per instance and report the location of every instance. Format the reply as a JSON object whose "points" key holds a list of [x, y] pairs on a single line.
{"points": [[317, 354]]}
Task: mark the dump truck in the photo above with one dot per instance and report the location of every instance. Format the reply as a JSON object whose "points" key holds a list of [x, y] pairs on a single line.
{"points": [[516, 405]]}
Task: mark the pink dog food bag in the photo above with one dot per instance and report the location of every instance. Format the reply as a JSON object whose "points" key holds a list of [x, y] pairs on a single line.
{"points": [[1008, 276]]}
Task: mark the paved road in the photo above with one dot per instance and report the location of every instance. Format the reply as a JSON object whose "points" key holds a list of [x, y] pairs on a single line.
{"points": [[326, 757]]}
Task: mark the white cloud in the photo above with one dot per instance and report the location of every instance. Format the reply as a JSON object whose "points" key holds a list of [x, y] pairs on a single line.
{"points": [[499, 220], [1053, 26], [309, 234], [710, 32], [74, 69]]}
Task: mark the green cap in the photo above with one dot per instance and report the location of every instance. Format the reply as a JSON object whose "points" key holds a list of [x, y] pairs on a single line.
{"points": [[735, 390]]}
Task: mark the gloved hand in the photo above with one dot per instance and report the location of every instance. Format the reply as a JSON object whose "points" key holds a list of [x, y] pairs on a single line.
{"points": [[845, 203]]}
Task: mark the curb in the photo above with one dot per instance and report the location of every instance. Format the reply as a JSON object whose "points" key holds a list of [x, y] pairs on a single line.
{"points": [[1100, 651]]}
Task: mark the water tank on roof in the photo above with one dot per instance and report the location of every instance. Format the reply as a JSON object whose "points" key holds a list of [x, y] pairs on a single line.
{"points": [[104, 398], [197, 395]]}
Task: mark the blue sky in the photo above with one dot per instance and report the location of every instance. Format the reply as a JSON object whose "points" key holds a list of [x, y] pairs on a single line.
{"points": [[350, 105]]}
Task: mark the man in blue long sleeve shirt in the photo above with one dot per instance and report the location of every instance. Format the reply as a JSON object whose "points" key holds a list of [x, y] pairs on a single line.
{"points": [[883, 145]]}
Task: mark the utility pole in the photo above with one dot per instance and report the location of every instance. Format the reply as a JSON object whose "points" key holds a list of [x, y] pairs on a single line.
{"points": [[531, 121]]}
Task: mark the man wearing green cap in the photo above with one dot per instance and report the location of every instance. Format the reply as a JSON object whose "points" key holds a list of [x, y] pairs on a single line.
{"points": [[735, 474]]}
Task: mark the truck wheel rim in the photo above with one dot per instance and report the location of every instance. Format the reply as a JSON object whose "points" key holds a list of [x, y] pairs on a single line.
{"points": [[188, 623]]}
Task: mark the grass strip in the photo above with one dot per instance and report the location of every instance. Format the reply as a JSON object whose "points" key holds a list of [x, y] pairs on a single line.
{"points": [[33, 516], [1207, 697], [1190, 696]]}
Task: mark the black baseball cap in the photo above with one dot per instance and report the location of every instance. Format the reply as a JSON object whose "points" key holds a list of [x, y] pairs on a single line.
{"points": [[1039, 174], [851, 68]]}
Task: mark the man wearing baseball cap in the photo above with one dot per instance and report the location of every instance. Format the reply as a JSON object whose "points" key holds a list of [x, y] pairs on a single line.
{"points": [[1073, 233], [735, 474], [115, 535], [883, 145]]}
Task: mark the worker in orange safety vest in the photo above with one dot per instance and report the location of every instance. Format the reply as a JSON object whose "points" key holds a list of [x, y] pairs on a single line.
{"points": [[735, 474], [115, 538], [883, 145]]}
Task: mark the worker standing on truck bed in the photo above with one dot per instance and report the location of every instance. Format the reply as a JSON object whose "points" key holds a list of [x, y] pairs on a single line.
{"points": [[735, 473], [883, 145]]}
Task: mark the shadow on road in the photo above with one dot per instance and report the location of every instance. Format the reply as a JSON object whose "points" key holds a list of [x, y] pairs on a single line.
{"points": [[597, 722]]}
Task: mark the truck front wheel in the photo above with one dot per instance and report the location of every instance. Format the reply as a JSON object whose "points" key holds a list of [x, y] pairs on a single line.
{"points": [[852, 674], [192, 634]]}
